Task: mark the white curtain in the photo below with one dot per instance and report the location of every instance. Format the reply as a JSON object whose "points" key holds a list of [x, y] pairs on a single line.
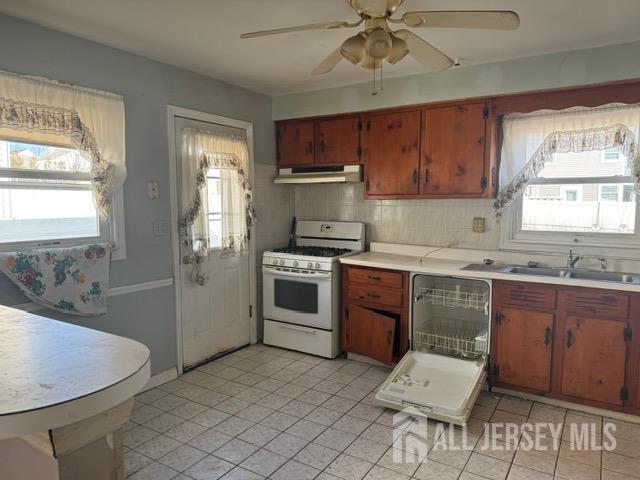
{"points": [[201, 151], [42, 110], [529, 140]]}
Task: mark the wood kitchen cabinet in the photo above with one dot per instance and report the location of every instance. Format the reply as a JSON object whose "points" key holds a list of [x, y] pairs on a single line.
{"points": [[338, 141], [391, 152], [454, 157], [523, 348], [572, 344], [375, 312], [295, 143]]}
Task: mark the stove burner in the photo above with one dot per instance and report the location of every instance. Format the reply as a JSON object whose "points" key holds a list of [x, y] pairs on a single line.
{"points": [[313, 251]]}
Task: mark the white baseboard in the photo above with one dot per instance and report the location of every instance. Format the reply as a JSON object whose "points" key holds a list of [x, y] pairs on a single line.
{"points": [[160, 378]]}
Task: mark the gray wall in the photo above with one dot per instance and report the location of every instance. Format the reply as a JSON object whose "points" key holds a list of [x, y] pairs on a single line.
{"points": [[581, 67], [148, 87]]}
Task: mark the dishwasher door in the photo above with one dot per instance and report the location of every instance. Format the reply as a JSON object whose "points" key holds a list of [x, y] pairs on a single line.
{"points": [[442, 376]]}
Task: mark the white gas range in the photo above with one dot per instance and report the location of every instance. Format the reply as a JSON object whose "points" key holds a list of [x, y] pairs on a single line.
{"points": [[301, 286]]}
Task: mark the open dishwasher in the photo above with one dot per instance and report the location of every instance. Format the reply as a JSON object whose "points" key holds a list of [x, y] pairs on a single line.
{"points": [[443, 373]]}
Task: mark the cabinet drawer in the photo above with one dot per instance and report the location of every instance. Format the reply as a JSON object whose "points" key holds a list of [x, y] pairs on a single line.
{"points": [[527, 295], [589, 303], [372, 276], [392, 298]]}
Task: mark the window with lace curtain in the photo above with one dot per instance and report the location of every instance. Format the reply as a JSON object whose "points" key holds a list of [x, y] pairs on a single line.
{"points": [[570, 178]]}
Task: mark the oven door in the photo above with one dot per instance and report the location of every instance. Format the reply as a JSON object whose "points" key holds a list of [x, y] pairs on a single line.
{"points": [[298, 297]]}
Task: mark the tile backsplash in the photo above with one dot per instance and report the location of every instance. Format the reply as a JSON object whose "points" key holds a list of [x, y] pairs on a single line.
{"points": [[416, 222]]}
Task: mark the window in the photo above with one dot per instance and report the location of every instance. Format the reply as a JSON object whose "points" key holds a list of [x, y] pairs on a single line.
{"points": [[46, 198], [214, 208], [628, 194], [611, 155], [571, 195], [609, 193]]}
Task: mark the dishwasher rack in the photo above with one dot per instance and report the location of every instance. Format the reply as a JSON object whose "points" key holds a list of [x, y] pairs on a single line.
{"points": [[453, 298], [453, 337]]}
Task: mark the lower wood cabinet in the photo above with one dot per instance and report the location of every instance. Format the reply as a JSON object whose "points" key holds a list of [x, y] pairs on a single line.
{"points": [[523, 348], [375, 311], [369, 333], [573, 344], [594, 357]]}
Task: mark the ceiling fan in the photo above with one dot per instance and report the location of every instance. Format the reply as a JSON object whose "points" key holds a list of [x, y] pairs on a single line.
{"points": [[378, 42]]}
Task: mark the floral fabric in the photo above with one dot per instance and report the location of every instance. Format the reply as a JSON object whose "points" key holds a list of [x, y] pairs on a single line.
{"points": [[72, 280]]}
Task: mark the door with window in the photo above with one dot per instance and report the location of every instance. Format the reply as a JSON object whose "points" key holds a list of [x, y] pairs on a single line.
{"points": [[215, 285]]}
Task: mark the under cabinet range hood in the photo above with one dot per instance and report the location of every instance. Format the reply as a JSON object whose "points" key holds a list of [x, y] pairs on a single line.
{"points": [[342, 174]]}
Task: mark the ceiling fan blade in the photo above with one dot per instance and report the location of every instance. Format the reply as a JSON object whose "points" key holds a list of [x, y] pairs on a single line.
{"points": [[489, 19], [425, 53], [300, 28], [328, 63]]}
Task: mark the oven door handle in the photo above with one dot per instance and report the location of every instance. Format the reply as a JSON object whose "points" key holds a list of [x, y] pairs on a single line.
{"points": [[310, 276], [297, 328]]}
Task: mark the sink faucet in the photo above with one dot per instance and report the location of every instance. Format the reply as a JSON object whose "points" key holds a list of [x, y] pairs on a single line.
{"points": [[573, 259], [603, 263]]}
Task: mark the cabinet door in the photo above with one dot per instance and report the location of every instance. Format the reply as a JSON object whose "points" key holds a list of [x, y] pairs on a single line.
{"points": [[391, 145], [295, 143], [453, 150], [594, 359], [339, 141], [523, 341], [369, 333]]}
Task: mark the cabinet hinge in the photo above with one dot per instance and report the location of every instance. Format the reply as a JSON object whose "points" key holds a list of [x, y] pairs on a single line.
{"points": [[359, 151], [496, 370], [483, 183], [498, 318], [250, 311], [624, 394], [485, 112], [360, 126], [628, 334]]}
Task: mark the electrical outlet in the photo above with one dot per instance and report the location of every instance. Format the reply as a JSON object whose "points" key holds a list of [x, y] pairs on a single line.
{"points": [[479, 225], [153, 191], [160, 228]]}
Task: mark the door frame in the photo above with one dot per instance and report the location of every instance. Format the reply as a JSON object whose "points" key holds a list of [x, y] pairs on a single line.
{"points": [[176, 111]]}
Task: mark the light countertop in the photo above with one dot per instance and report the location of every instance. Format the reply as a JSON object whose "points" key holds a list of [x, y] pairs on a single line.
{"points": [[425, 260], [55, 373]]}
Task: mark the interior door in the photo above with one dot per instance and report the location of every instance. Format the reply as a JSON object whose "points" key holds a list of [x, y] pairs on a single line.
{"points": [[391, 144], [369, 333], [339, 141], [453, 159], [594, 359], [295, 143], [524, 340], [215, 316]]}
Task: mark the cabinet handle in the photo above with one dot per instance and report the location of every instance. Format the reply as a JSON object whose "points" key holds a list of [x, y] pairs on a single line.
{"points": [[373, 295], [389, 337], [415, 176], [375, 279], [310, 148], [569, 338], [366, 185], [426, 176], [322, 146], [547, 335]]}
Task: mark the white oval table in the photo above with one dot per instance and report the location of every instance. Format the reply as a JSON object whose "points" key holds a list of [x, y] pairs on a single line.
{"points": [[65, 393]]}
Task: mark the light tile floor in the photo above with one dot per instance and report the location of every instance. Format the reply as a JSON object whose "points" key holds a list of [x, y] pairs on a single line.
{"points": [[263, 412]]}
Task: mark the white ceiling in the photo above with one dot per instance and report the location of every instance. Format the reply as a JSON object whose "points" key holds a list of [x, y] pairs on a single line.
{"points": [[203, 35]]}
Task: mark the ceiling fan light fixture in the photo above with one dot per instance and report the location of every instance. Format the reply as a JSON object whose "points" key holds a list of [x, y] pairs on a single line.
{"points": [[371, 63], [353, 48], [399, 50], [378, 43]]}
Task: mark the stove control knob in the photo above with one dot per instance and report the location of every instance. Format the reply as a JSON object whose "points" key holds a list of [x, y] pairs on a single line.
{"points": [[318, 266], [309, 265], [295, 263], [275, 261], [281, 262]]}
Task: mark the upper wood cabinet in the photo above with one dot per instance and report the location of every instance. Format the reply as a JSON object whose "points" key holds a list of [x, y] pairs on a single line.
{"points": [[295, 143], [391, 152], [338, 140], [453, 150]]}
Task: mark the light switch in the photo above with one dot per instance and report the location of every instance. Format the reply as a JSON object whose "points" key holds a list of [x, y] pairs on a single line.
{"points": [[160, 228], [152, 188], [479, 225]]}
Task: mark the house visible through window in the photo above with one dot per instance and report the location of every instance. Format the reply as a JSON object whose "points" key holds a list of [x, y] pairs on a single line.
{"points": [[587, 192], [46, 196]]}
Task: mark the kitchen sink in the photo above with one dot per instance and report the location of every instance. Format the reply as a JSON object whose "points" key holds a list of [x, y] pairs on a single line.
{"points": [[559, 272]]}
